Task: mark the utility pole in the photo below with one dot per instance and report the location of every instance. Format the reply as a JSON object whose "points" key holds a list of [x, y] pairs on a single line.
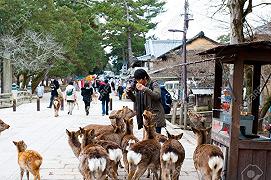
{"points": [[185, 27]]}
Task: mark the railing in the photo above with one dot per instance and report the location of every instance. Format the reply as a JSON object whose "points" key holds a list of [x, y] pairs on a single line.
{"points": [[8, 99]]}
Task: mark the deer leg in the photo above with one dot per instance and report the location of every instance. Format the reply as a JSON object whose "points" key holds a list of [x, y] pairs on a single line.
{"points": [[22, 173], [27, 174], [149, 173], [140, 169], [132, 169]]}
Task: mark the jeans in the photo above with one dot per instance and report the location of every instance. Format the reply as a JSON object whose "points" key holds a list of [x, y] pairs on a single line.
{"points": [[105, 107], [51, 101], [158, 129]]}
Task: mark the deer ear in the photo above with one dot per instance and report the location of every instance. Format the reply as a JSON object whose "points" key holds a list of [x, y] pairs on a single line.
{"points": [[92, 132], [67, 132], [14, 142], [208, 129], [179, 136], [194, 130]]}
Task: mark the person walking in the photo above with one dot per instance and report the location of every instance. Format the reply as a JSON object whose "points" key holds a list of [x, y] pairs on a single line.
{"points": [[104, 91], [146, 94], [120, 91], [87, 92], [70, 97], [54, 87]]}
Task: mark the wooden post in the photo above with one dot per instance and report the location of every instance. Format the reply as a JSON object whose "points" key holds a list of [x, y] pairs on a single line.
{"points": [[238, 77], [217, 88], [14, 104], [185, 115], [181, 115], [38, 104], [256, 96], [173, 117], [110, 104]]}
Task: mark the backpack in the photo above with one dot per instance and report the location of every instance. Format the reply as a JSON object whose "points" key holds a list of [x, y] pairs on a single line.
{"points": [[69, 93], [166, 100]]}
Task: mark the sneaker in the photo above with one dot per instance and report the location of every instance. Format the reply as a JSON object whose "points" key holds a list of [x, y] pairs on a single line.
{"points": [[103, 114], [49, 107], [87, 112], [69, 112]]}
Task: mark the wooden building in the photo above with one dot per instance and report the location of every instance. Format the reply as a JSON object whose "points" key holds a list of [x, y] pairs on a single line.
{"points": [[247, 156]]}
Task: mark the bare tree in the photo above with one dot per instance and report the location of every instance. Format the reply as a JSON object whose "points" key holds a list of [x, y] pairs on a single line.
{"points": [[31, 53]]}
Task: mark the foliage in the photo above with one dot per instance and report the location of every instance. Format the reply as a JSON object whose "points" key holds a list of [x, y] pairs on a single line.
{"points": [[224, 39]]}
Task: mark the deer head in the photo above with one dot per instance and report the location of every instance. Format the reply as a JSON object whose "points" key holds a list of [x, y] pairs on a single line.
{"points": [[21, 146], [3, 126], [201, 135], [176, 137]]}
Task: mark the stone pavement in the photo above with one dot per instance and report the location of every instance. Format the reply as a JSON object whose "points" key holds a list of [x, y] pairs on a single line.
{"points": [[46, 134]]}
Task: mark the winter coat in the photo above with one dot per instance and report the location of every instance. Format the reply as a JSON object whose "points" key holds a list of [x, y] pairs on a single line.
{"points": [[148, 98], [70, 93], [87, 93]]}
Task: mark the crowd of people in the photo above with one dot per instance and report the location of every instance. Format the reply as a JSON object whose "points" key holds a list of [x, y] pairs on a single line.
{"points": [[144, 92]]}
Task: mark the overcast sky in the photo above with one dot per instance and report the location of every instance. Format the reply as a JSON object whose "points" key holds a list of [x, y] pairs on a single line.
{"points": [[200, 11]]}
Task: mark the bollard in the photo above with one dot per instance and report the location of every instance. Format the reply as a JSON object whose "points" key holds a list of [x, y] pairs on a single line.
{"points": [[14, 104], [38, 104], [110, 104], [181, 120]]}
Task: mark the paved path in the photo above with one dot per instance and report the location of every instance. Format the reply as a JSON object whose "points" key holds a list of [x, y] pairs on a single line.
{"points": [[46, 134]]}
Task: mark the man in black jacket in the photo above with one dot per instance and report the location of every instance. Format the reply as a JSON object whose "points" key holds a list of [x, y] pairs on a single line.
{"points": [[54, 86], [104, 91]]}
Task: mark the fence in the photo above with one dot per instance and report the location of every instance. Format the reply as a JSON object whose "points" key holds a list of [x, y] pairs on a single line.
{"points": [[7, 99]]}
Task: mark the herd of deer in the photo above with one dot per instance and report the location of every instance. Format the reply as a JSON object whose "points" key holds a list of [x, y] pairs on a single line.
{"points": [[101, 149]]}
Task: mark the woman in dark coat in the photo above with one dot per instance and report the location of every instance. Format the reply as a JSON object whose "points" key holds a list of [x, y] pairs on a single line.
{"points": [[146, 94], [87, 92]]}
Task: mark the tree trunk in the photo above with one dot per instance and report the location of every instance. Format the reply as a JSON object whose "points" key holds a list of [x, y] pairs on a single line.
{"points": [[263, 112], [236, 21], [36, 80]]}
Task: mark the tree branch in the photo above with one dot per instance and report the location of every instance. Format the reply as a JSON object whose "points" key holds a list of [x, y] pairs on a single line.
{"points": [[261, 4]]}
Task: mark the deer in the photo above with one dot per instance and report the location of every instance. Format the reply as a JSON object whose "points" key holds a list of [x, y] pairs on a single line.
{"points": [[74, 142], [208, 159], [94, 162], [145, 154], [127, 141], [113, 150], [116, 117], [172, 155], [3, 126], [28, 160]]}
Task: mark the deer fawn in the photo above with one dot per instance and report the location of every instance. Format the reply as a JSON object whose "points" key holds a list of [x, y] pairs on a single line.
{"points": [[145, 154], [28, 160], [127, 141], [93, 158], [172, 155], [208, 159], [3, 126]]}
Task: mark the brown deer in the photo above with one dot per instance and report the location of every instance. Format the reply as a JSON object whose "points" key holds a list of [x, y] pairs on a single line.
{"points": [[127, 141], [115, 136], [3, 126], [28, 160], [74, 142], [116, 117], [113, 150], [57, 104], [93, 158], [145, 154], [172, 155], [208, 159]]}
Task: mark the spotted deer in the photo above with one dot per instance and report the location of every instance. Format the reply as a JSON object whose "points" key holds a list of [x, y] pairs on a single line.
{"points": [[172, 155], [208, 159], [94, 162], [28, 160], [145, 154], [127, 141], [3, 126]]}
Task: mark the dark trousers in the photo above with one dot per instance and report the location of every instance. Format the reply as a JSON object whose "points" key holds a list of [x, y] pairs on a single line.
{"points": [[51, 101], [158, 130], [105, 106]]}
